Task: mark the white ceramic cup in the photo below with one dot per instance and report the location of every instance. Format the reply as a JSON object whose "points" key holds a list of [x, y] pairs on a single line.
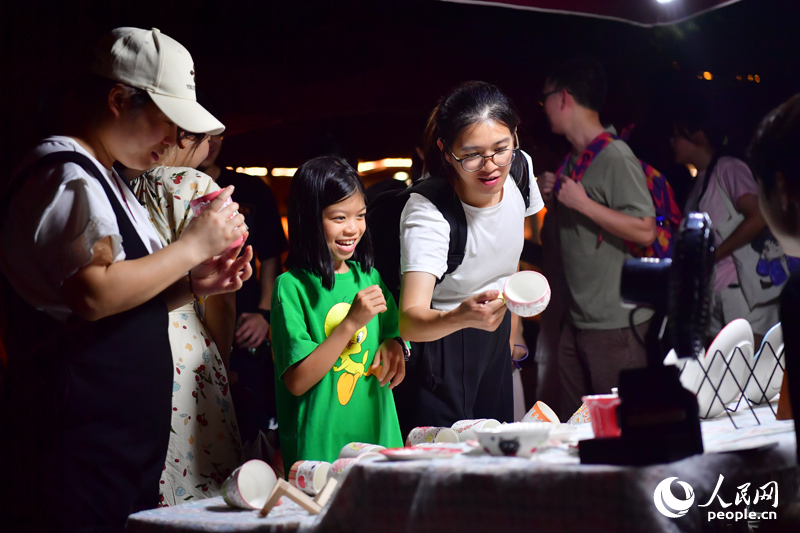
{"points": [[581, 416], [526, 293], [341, 467], [429, 434], [465, 429], [354, 449], [198, 205], [250, 485], [309, 476], [540, 412]]}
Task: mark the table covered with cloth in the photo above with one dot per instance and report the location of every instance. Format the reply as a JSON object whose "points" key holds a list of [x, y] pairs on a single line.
{"points": [[551, 492]]}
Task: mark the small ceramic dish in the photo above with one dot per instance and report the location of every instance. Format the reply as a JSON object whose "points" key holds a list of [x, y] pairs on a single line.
{"points": [[519, 439]]}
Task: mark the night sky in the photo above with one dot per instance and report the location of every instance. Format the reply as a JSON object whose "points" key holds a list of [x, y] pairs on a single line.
{"points": [[300, 79]]}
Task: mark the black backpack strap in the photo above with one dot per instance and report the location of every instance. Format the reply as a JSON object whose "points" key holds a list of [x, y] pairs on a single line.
{"points": [[444, 198], [521, 172]]}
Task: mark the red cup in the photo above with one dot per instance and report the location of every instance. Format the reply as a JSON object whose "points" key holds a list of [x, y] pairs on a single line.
{"points": [[603, 414], [199, 205]]}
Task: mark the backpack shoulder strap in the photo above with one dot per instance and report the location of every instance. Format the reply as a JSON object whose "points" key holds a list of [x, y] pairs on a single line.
{"points": [[521, 171], [444, 197]]}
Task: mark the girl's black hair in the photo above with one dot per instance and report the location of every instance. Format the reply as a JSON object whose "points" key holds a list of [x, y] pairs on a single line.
{"points": [[693, 113], [195, 138], [317, 184], [470, 103]]}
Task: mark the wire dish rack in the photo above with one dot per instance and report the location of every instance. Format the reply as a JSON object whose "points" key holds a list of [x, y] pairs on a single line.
{"points": [[730, 376]]}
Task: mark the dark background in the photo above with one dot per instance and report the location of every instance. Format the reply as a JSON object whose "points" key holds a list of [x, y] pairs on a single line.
{"points": [[297, 79]]}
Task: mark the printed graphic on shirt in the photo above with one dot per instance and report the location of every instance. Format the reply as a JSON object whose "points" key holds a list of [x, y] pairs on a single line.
{"points": [[350, 369]]}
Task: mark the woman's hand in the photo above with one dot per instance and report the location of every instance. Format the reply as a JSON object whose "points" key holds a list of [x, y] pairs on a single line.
{"points": [[482, 311], [367, 303], [216, 228], [223, 273], [391, 362]]}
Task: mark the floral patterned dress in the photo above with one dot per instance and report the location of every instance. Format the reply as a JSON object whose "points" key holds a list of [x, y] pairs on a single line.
{"points": [[204, 445]]}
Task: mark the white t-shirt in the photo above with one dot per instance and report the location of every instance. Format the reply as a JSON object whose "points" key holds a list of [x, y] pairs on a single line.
{"points": [[495, 237], [54, 220]]}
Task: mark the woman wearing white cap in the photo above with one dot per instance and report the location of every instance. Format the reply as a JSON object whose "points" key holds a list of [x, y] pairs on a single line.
{"points": [[90, 370]]}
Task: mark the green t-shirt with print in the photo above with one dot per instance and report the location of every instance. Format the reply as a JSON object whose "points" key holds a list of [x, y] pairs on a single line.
{"points": [[348, 404]]}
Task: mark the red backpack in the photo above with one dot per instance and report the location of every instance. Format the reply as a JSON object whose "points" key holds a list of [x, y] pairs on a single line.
{"points": [[668, 215]]}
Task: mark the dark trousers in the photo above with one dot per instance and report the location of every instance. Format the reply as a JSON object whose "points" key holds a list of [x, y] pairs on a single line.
{"points": [[464, 375], [254, 393], [590, 360]]}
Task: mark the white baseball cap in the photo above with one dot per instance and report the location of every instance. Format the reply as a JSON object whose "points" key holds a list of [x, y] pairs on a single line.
{"points": [[160, 65]]}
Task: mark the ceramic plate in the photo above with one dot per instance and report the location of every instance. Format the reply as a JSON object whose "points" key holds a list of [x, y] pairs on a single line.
{"points": [[420, 452], [672, 359], [733, 344], [764, 363]]}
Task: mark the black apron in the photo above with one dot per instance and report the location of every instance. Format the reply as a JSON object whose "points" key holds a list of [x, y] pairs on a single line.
{"points": [[88, 406]]}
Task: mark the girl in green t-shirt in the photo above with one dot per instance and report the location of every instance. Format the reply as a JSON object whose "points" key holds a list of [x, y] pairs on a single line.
{"points": [[334, 330]]}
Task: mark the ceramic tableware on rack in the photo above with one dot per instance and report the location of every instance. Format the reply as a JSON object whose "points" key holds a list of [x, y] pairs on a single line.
{"points": [[250, 485], [734, 345], [768, 365], [526, 293], [672, 359]]}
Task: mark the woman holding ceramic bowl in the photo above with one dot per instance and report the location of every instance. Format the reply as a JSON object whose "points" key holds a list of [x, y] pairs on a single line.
{"points": [[204, 443], [460, 365], [86, 412]]}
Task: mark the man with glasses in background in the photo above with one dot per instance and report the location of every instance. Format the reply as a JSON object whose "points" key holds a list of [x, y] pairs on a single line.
{"points": [[601, 200]]}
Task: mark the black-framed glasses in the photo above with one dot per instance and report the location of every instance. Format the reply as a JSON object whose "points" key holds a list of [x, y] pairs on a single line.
{"points": [[475, 162], [545, 96]]}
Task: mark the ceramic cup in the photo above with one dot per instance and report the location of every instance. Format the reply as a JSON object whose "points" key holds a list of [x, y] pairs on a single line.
{"points": [[465, 429], [249, 486], [603, 413], [526, 293], [309, 476], [354, 449], [540, 412], [581, 416], [341, 467], [429, 434], [199, 205]]}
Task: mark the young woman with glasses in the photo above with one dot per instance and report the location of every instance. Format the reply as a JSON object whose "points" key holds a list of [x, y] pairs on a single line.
{"points": [[460, 365]]}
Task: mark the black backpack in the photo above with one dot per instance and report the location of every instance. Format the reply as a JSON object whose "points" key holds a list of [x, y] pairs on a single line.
{"points": [[383, 219]]}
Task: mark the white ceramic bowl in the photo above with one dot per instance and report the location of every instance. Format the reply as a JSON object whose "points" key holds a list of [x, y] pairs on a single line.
{"points": [[520, 439], [526, 293]]}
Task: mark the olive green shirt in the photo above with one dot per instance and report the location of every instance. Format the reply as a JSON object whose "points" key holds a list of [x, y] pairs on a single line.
{"points": [[593, 258]]}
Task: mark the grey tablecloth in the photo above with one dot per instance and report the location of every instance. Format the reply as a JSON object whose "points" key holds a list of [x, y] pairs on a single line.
{"points": [[498, 494]]}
